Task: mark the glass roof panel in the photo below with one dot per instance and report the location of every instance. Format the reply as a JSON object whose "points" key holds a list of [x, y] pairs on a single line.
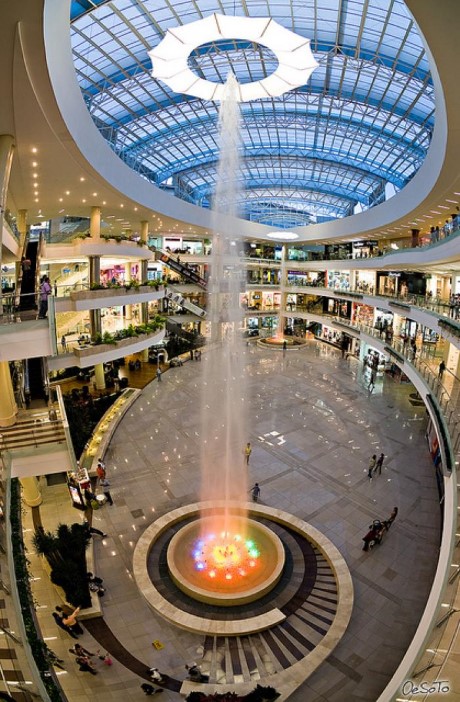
{"points": [[369, 106]]}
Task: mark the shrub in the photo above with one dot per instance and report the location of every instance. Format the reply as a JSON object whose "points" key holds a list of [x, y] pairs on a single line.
{"points": [[65, 552]]}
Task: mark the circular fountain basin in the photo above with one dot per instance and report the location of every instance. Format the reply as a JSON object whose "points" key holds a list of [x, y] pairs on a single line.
{"points": [[225, 568], [277, 344]]}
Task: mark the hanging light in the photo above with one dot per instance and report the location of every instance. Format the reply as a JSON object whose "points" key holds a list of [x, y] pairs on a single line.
{"points": [[296, 62]]}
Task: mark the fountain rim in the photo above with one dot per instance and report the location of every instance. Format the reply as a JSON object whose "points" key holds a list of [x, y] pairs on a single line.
{"points": [[216, 627], [221, 598]]}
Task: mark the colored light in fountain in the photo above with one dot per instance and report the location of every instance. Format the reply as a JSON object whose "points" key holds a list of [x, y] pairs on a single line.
{"points": [[226, 557], [236, 569]]}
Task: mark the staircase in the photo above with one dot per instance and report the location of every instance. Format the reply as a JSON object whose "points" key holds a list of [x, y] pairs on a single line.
{"points": [[35, 429], [251, 658]]}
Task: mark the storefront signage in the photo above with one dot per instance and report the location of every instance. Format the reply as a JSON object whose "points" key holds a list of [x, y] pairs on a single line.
{"points": [[365, 244]]}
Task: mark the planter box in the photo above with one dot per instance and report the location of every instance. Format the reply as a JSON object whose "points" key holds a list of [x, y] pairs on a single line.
{"points": [[110, 292], [123, 343], [102, 353], [111, 297]]}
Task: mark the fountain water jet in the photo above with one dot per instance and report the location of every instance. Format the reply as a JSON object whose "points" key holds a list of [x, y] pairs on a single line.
{"points": [[219, 557]]}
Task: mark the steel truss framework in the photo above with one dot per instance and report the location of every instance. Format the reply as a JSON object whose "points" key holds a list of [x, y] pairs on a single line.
{"points": [[368, 109]]}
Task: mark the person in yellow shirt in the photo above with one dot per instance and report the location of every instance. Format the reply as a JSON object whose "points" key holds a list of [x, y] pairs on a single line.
{"points": [[247, 452]]}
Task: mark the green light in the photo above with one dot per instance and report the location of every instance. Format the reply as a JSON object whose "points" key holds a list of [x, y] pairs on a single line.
{"points": [[254, 553]]}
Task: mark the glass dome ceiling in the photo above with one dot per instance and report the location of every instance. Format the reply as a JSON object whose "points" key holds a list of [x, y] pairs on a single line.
{"points": [[356, 133]]}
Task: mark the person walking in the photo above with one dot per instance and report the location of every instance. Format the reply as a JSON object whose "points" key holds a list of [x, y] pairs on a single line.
{"points": [[393, 516], [159, 374], [100, 470], [255, 492], [371, 385], [105, 485], [247, 452], [379, 464], [45, 291], [63, 343], [442, 368], [372, 463]]}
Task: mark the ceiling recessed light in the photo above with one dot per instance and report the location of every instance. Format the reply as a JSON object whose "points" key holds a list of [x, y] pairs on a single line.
{"points": [[67, 192], [34, 175], [135, 209], [34, 164], [104, 202], [94, 194], [83, 200], [34, 150], [82, 179], [60, 199], [121, 205], [36, 199]]}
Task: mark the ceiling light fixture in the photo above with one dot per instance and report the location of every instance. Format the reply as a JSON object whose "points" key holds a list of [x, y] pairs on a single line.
{"points": [[283, 236], [296, 62]]}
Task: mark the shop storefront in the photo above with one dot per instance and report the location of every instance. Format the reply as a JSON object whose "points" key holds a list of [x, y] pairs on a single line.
{"points": [[365, 282], [8, 277], [364, 249], [337, 308], [388, 283], [338, 280], [362, 314]]}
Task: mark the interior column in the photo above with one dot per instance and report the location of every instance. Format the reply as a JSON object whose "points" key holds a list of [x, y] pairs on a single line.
{"points": [[30, 491], [8, 407], [6, 158]]}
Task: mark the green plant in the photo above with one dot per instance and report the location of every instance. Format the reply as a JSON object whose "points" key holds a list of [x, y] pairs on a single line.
{"points": [[97, 339], [107, 338], [37, 646], [65, 552], [96, 286]]}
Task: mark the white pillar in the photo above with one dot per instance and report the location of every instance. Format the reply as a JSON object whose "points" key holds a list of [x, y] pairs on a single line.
{"points": [[8, 407], [95, 222], [128, 278], [30, 491], [99, 376], [6, 159]]}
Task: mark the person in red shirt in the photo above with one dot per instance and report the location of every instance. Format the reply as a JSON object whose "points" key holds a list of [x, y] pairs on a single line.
{"points": [[100, 470]]}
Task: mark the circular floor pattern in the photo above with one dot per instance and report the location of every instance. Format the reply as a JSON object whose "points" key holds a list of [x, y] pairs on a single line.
{"points": [[300, 621]]}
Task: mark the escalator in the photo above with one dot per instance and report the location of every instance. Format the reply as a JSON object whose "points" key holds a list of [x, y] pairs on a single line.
{"points": [[175, 265], [28, 278], [35, 386], [181, 301]]}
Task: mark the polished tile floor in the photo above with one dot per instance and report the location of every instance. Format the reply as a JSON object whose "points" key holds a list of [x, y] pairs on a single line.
{"points": [[313, 426]]}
